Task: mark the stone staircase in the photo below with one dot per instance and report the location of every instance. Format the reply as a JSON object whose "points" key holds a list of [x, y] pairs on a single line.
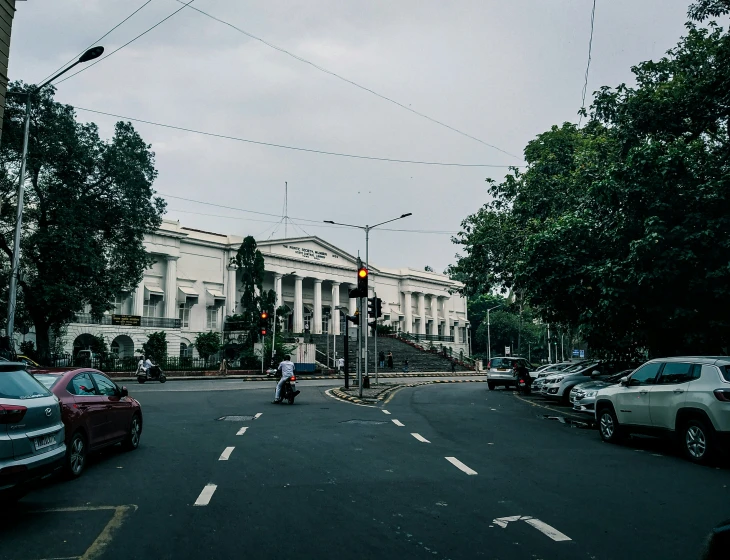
{"points": [[418, 360]]}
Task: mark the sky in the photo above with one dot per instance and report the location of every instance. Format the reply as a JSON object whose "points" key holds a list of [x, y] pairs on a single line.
{"points": [[500, 71]]}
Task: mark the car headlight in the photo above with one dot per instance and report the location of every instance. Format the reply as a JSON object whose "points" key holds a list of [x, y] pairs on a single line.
{"points": [[557, 380], [590, 394]]}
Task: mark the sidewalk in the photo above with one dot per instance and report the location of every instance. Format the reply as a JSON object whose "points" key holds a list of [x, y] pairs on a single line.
{"points": [[306, 376]]}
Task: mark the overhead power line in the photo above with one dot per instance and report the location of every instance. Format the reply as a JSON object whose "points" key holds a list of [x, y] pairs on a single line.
{"points": [[95, 42], [85, 68], [295, 148], [298, 221], [351, 82], [588, 66]]}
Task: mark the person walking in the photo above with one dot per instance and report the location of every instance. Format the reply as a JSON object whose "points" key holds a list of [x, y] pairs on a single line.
{"points": [[223, 370], [381, 359], [340, 364], [453, 366], [390, 360], [405, 366]]}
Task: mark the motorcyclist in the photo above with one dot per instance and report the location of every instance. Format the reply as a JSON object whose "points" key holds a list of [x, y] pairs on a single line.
{"points": [[286, 367], [147, 366], [521, 372]]}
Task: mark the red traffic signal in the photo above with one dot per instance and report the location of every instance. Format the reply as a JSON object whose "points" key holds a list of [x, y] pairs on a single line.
{"points": [[263, 332]]}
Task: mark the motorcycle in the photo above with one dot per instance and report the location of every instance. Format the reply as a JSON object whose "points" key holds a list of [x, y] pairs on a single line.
{"points": [[523, 385], [154, 373], [289, 390]]}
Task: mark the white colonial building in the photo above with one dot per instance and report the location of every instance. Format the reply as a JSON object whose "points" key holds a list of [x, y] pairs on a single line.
{"points": [[194, 285]]}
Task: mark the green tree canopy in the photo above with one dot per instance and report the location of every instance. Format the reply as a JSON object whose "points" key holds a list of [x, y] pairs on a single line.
{"points": [[88, 204], [254, 299], [208, 343], [156, 347]]}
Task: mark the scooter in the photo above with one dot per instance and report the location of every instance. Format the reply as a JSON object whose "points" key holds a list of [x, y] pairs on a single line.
{"points": [[288, 391], [153, 374], [523, 386]]}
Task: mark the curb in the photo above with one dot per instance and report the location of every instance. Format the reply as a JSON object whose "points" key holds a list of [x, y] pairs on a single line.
{"points": [[302, 377], [388, 392]]}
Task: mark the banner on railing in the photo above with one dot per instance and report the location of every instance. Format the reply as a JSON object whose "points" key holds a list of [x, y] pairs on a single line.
{"points": [[127, 320]]}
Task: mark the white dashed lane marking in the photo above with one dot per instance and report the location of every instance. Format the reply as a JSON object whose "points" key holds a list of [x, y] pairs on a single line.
{"points": [[398, 423], [258, 415], [385, 412], [205, 495], [226, 453], [419, 437], [241, 431], [546, 529], [461, 466]]}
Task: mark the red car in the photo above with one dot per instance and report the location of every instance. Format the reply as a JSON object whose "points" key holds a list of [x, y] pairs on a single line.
{"points": [[95, 411]]}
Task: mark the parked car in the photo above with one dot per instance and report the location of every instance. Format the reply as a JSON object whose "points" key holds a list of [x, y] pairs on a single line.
{"points": [[684, 397], [31, 432], [558, 386], [556, 368], [546, 377], [500, 372], [96, 412], [583, 395]]}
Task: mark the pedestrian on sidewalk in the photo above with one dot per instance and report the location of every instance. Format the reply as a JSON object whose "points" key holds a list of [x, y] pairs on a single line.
{"points": [[340, 364], [405, 366], [390, 360], [223, 370], [453, 366], [381, 359]]}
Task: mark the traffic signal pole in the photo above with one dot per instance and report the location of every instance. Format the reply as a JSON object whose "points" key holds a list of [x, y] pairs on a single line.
{"points": [[377, 357], [366, 295]]}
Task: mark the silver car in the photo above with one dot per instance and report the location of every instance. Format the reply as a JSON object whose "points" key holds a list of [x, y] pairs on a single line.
{"points": [[31, 432], [500, 371], [583, 395]]}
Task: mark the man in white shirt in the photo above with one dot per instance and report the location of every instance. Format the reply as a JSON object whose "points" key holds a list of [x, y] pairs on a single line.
{"points": [[340, 364], [287, 370], [140, 365], [147, 365]]}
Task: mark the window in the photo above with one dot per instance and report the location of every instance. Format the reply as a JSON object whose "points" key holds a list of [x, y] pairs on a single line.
{"points": [[183, 350], [48, 379], [151, 305], [119, 304], [646, 374], [106, 386], [725, 370], [115, 348], [184, 314], [82, 385], [676, 372], [212, 319], [20, 384]]}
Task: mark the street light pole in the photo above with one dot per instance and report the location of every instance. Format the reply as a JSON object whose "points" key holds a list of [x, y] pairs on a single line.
{"points": [[367, 229], [489, 335], [15, 268]]}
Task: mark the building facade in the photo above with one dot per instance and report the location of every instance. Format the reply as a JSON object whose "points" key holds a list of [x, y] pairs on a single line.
{"points": [[194, 284]]}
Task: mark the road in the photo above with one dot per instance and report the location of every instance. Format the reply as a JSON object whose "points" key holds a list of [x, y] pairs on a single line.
{"points": [[330, 479]]}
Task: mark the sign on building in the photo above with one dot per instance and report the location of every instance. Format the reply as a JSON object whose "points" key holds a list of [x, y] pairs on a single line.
{"points": [[127, 320], [576, 352]]}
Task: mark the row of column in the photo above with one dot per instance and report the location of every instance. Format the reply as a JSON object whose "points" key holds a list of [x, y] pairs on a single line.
{"points": [[299, 304], [422, 314]]}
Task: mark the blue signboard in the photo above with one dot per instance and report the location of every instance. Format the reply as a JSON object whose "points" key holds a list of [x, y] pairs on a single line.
{"points": [[582, 353], [576, 353]]}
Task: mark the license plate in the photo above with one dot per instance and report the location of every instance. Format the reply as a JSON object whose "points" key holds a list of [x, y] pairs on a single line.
{"points": [[45, 441]]}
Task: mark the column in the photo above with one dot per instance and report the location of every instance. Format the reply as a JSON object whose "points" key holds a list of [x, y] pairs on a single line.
{"points": [[231, 291], [317, 327], [298, 305], [445, 318], [422, 313], [278, 289], [138, 305], [353, 301], [407, 311], [434, 316], [335, 326], [171, 288], [456, 334]]}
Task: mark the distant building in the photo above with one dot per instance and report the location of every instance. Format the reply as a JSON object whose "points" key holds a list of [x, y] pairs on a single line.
{"points": [[193, 286], [7, 12]]}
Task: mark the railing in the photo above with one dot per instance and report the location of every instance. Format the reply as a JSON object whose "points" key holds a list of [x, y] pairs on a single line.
{"points": [[426, 337], [154, 322], [236, 326]]}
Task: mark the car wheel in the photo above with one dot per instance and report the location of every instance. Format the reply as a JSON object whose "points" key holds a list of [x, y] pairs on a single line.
{"points": [[565, 399], [76, 455], [131, 442], [697, 441], [608, 425], [491, 385]]}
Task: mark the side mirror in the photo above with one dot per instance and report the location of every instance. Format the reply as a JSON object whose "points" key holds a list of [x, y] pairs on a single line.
{"points": [[124, 392], [624, 381]]}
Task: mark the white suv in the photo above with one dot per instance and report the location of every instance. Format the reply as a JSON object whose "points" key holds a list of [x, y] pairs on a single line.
{"points": [[688, 397]]}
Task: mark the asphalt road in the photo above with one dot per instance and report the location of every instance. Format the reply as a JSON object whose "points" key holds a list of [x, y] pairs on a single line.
{"points": [[329, 479]]}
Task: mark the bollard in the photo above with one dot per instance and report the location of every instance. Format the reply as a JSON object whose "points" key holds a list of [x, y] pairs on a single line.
{"points": [[366, 382]]}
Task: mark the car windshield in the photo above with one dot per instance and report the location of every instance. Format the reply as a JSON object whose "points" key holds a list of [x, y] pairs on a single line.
{"points": [[576, 367], [19, 384], [48, 379], [502, 362]]}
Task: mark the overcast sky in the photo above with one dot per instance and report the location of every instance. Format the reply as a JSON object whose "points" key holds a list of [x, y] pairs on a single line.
{"points": [[500, 70]]}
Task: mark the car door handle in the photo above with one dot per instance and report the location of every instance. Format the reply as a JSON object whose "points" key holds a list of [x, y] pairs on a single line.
{"points": [[643, 392], [678, 391]]}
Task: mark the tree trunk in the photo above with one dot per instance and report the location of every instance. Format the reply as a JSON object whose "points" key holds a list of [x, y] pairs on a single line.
{"points": [[42, 341]]}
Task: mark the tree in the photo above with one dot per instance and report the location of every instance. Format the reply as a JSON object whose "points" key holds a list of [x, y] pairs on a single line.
{"points": [[427, 268], [254, 300], [156, 347], [208, 344], [619, 230], [88, 205]]}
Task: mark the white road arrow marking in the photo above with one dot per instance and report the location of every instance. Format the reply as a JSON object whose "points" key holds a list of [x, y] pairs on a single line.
{"points": [[541, 526], [503, 521]]}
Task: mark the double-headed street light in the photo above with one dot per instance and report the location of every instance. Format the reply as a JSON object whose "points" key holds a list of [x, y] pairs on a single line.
{"points": [[91, 54], [367, 229]]}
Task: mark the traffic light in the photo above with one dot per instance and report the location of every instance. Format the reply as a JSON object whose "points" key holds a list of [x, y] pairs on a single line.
{"points": [[373, 326], [362, 281], [354, 319], [263, 322], [372, 306], [378, 308]]}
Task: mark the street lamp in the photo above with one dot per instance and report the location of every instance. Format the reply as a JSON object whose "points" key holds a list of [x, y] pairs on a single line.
{"points": [[91, 54], [489, 336], [367, 229]]}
